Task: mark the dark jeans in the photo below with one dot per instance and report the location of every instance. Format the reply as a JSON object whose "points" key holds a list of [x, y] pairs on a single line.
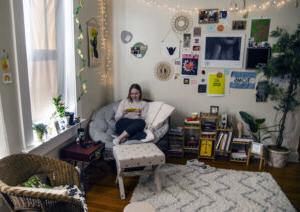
{"points": [[134, 128]]}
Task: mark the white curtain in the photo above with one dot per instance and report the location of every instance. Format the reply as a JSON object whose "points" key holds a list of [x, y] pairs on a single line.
{"points": [[49, 33], [3, 136]]}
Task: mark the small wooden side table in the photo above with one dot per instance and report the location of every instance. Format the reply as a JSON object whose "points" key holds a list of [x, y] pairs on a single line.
{"points": [[75, 153]]}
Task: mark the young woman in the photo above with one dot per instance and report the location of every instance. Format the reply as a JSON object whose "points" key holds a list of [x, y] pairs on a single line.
{"points": [[130, 116]]}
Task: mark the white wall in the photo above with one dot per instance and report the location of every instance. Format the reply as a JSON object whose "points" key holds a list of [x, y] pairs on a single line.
{"points": [[150, 24]]}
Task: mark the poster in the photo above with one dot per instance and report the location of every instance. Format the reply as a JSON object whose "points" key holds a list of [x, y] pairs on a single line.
{"points": [[260, 29], [243, 80], [93, 43], [216, 84], [190, 64]]}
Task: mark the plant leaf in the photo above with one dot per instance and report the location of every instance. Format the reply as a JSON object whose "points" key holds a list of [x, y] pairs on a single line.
{"points": [[248, 119]]}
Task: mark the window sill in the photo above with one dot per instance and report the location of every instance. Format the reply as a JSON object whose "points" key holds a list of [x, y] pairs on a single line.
{"points": [[42, 148]]}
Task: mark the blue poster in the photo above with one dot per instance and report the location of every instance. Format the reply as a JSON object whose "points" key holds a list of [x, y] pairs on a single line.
{"points": [[243, 80]]}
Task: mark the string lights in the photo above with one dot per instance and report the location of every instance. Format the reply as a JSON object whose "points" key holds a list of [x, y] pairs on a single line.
{"points": [[82, 67], [105, 44], [234, 6]]}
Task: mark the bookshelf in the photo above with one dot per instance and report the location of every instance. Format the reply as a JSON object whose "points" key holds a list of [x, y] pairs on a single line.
{"points": [[208, 135], [240, 150], [191, 135], [175, 142], [223, 142]]}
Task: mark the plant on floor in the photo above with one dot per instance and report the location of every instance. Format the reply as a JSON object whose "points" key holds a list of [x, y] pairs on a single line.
{"points": [[284, 66], [258, 131], [40, 129]]}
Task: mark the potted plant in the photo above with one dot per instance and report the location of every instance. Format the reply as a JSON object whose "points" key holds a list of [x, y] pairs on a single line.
{"points": [[285, 65], [60, 113], [40, 130], [258, 132]]}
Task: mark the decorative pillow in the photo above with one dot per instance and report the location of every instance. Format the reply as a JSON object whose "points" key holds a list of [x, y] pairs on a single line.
{"points": [[154, 108], [164, 112], [37, 181]]}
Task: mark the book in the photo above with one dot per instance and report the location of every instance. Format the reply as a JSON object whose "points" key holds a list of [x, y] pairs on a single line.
{"points": [[219, 140], [228, 141], [242, 140], [224, 141]]}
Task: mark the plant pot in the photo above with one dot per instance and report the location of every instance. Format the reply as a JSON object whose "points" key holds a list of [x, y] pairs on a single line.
{"points": [[40, 135], [277, 156]]}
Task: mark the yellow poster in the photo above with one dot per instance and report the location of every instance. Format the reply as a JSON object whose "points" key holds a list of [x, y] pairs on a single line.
{"points": [[216, 84]]}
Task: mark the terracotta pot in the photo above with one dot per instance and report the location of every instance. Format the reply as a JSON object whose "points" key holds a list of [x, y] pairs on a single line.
{"points": [[277, 156]]}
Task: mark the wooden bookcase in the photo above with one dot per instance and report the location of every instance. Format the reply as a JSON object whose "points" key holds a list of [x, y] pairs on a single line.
{"points": [[223, 142], [208, 125], [240, 150], [176, 144]]}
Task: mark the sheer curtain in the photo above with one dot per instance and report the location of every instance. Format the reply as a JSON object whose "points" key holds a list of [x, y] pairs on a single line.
{"points": [[49, 31], [3, 136]]}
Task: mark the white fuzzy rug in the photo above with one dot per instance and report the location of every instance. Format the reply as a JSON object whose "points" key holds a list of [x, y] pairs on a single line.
{"points": [[190, 188]]}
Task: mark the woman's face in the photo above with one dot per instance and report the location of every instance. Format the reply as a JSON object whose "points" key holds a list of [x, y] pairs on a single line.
{"points": [[135, 94]]}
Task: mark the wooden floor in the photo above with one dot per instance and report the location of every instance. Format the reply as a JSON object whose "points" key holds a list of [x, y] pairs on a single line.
{"points": [[103, 194]]}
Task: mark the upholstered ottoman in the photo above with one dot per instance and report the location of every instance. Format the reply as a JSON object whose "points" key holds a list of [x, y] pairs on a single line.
{"points": [[137, 155]]}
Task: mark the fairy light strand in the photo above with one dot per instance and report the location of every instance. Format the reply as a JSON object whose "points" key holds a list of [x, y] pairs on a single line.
{"points": [[79, 51], [233, 7]]}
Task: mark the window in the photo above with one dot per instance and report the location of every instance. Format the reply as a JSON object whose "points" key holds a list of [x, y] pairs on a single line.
{"points": [[47, 29], [3, 137]]}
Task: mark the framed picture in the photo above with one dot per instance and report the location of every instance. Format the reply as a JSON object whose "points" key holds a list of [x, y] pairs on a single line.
{"points": [[239, 25], [214, 110], [186, 81], [208, 16], [187, 40], [93, 43], [223, 50], [257, 148]]}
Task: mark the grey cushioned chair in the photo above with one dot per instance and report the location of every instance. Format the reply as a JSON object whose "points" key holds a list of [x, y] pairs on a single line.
{"points": [[102, 127]]}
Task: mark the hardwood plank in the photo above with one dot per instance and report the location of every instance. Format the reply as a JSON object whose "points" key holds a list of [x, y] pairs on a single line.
{"points": [[103, 193]]}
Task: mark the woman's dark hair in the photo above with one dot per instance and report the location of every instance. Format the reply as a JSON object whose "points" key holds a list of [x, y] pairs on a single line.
{"points": [[137, 87]]}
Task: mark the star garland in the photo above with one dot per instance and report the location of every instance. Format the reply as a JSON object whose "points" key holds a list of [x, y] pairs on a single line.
{"points": [[83, 86]]}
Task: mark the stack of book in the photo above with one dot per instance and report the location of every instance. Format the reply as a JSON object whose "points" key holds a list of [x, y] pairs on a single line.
{"points": [[208, 125], [191, 122], [224, 141]]}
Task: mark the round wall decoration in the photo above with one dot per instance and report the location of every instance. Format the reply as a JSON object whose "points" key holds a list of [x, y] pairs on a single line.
{"points": [[163, 71], [126, 36], [181, 22]]}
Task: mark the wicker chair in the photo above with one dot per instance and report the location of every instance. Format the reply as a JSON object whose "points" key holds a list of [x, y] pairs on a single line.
{"points": [[16, 169]]}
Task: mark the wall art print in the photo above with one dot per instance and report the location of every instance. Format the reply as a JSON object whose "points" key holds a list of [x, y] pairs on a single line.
{"points": [[216, 84], [208, 16], [5, 67], [260, 29], [239, 25], [139, 50], [163, 71], [181, 22], [189, 64], [223, 50], [93, 37], [187, 40], [242, 80]]}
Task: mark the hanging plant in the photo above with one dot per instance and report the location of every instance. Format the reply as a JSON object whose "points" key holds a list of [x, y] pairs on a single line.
{"points": [[83, 86]]}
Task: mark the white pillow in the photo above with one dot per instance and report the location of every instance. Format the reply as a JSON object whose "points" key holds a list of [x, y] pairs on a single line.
{"points": [[165, 111], [153, 109]]}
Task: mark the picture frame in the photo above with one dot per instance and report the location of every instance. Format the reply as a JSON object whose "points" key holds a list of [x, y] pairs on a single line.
{"points": [[93, 39], [186, 81], [257, 148], [208, 16], [223, 50], [239, 25], [214, 110]]}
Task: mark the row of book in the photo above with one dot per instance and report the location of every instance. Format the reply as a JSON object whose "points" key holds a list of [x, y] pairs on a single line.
{"points": [[224, 141]]}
